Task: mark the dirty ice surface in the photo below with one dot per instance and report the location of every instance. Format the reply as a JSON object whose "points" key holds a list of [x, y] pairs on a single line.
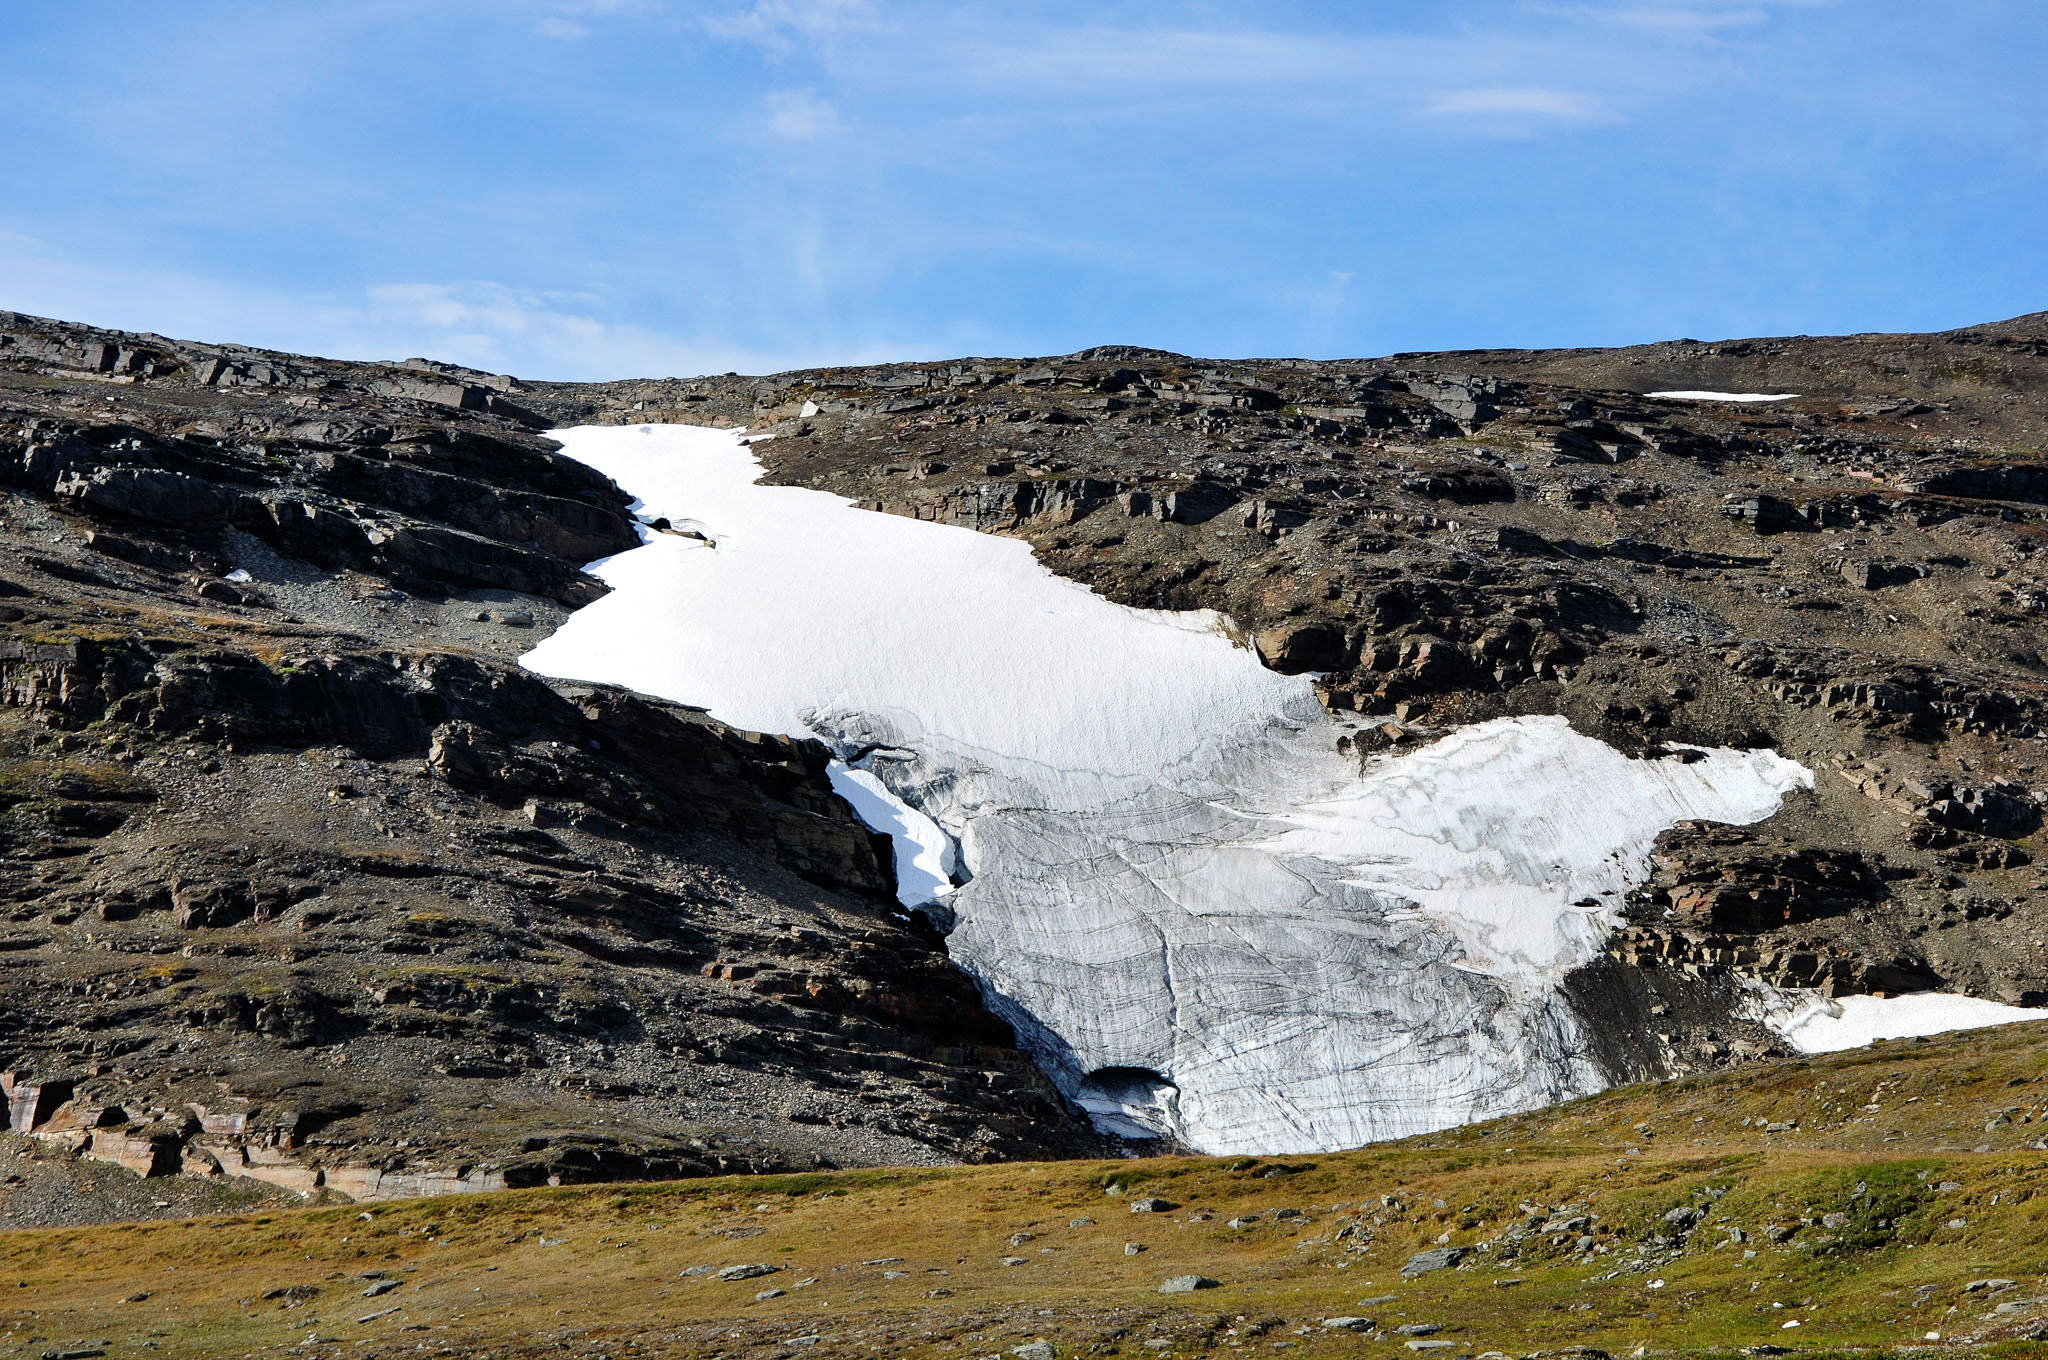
{"points": [[1203, 913], [1724, 396], [1816, 1024]]}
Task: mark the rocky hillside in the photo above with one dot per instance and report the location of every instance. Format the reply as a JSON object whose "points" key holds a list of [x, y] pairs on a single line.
{"points": [[1855, 576], [309, 887]]}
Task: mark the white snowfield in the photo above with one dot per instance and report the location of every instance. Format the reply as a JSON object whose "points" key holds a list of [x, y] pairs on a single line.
{"points": [[1817, 1024], [1202, 915], [1724, 396]]}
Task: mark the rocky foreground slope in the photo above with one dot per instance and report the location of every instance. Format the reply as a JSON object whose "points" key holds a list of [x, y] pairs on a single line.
{"points": [[309, 886]]}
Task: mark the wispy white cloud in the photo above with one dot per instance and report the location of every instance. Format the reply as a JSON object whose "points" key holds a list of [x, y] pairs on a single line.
{"points": [[573, 20], [780, 24], [1691, 19], [1516, 111], [491, 326], [1004, 68], [481, 324], [799, 115]]}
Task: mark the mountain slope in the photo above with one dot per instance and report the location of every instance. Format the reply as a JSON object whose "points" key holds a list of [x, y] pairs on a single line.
{"points": [[309, 887], [308, 883], [1853, 577]]}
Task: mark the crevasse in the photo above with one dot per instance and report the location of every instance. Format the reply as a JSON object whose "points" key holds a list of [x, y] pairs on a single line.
{"points": [[1203, 916]]}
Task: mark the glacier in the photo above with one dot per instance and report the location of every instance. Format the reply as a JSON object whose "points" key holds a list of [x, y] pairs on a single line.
{"points": [[1205, 914]]}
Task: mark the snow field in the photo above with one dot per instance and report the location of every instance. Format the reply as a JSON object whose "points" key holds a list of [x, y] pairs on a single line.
{"points": [[1200, 913]]}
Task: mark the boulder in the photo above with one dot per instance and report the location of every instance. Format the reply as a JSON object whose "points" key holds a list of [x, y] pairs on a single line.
{"points": [[1436, 1258], [1869, 575]]}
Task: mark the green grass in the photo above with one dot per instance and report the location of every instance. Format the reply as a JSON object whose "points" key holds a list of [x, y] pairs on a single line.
{"points": [[1891, 1214]]}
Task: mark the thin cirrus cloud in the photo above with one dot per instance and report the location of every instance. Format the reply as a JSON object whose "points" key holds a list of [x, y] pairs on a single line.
{"points": [[1099, 70], [1517, 107], [799, 115], [584, 187], [779, 24], [482, 324]]}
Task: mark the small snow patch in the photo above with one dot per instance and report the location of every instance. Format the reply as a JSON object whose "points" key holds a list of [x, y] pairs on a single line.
{"points": [[1724, 396], [1816, 1024]]}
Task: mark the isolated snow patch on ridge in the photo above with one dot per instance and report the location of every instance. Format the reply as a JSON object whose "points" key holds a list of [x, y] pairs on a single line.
{"points": [[1724, 396], [1200, 913]]}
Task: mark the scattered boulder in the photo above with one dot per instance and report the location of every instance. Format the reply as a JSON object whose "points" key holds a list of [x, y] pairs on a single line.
{"points": [[1187, 1284], [1436, 1258], [1865, 574]]}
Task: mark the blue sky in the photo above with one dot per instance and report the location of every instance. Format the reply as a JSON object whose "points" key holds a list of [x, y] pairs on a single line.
{"points": [[604, 188]]}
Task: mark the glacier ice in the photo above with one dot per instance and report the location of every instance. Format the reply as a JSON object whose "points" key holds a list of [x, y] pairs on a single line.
{"points": [[924, 853], [1203, 915]]}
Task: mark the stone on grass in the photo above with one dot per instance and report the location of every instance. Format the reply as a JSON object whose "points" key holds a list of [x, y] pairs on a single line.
{"points": [[753, 1272], [1348, 1324], [1153, 1206], [1188, 1284], [1436, 1258], [1034, 1350]]}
